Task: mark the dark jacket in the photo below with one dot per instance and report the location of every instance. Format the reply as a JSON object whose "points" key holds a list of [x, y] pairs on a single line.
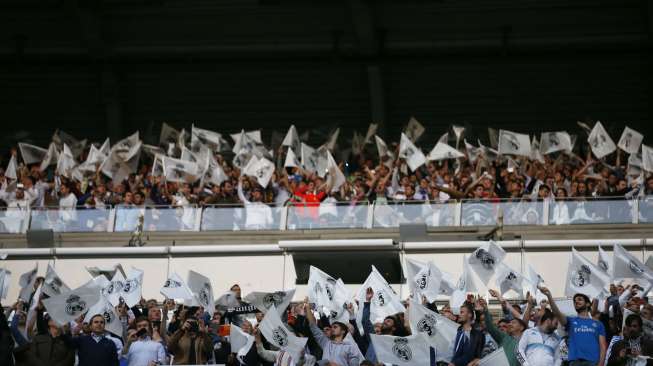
{"points": [[45, 350], [92, 353], [6, 341], [465, 350]]}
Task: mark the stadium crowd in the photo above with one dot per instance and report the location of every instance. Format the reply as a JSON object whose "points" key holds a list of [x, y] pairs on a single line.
{"points": [[618, 330], [381, 175]]}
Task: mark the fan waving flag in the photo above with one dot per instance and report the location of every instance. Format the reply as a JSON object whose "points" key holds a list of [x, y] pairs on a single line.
{"points": [[630, 140], [464, 285], [407, 150], [439, 331], [410, 351], [281, 337], [385, 301], [512, 143], [600, 141], [485, 259], [53, 284], [264, 301], [203, 291], [583, 277], [70, 305]]}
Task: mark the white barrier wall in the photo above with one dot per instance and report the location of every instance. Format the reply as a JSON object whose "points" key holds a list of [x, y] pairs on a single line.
{"points": [[276, 271]]}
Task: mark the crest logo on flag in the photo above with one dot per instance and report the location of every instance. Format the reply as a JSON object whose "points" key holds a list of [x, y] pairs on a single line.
{"points": [[280, 336], [511, 276], [170, 283], [108, 315], [204, 294], [274, 298], [427, 324], [461, 284], [112, 288], [603, 265], [581, 277], [422, 281], [635, 268], [401, 349], [553, 139], [380, 298], [130, 286], [486, 259], [75, 305], [328, 288], [55, 285]]}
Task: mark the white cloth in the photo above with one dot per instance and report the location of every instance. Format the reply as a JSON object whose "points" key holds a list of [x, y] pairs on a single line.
{"points": [[142, 352], [439, 331], [409, 351], [538, 349], [583, 277]]}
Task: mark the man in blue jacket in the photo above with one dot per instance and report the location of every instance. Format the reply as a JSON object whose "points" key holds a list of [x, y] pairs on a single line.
{"points": [[96, 349], [468, 344]]}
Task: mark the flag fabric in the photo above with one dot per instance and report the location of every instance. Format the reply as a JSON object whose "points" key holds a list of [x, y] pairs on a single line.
{"points": [[214, 174], [31, 154], [551, 142], [464, 285], [536, 154], [414, 129], [95, 156], [382, 148], [625, 265], [51, 157], [647, 158], [586, 128], [26, 283], [168, 134], [201, 287], [177, 170], [112, 321], [532, 281], [309, 158], [241, 343], [630, 140], [604, 264], [112, 289], [325, 291], [338, 178], [53, 285], [291, 159], [281, 337], [458, 132], [496, 358], [508, 279], [227, 300], [330, 144], [70, 305], [566, 307], [132, 287], [427, 282], [512, 143], [485, 259], [385, 301], [583, 277], [412, 350], [414, 267], [5, 279], [60, 138], [261, 169], [152, 150], [439, 331], [66, 162], [600, 141], [292, 138], [200, 136], [493, 137], [12, 168], [246, 140], [264, 301], [371, 132], [106, 271], [442, 151], [408, 151], [176, 288], [472, 151]]}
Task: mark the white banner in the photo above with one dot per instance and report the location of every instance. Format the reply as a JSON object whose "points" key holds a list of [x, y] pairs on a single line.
{"points": [[551, 142], [485, 259], [630, 140], [439, 331], [176, 288], [442, 151], [53, 285], [512, 143], [203, 290], [414, 129], [583, 277], [600, 141], [281, 337], [72, 304], [410, 351], [264, 301], [407, 150]]}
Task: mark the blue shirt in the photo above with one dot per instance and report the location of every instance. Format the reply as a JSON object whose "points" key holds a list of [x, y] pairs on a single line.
{"points": [[583, 340]]}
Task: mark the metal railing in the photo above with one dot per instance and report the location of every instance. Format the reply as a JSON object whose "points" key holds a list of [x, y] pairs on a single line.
{"points": [[329, 215]]}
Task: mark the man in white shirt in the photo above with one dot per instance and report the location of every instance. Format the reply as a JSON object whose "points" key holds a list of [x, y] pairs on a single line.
{"points": [[67, 207], [540, 346], [258, 214], [140, 349]]}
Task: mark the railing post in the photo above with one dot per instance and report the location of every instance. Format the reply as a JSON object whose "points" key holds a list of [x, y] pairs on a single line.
{"points": [[283, 219], [635, 210], [370, 215], [27, 221], [458, 213], [546, 206], [112, 220], [198, 218]]}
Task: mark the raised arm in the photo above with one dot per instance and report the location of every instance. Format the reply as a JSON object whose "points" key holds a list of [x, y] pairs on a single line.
{"points": [[562, 318]]}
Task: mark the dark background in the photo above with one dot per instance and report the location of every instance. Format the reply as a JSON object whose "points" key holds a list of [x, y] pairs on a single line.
{"points": [[105, 68]]}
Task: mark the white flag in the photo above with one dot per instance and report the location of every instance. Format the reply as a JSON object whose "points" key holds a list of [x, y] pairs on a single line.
{"points": [[647, 158], [5, 279], [70, 305], [458, 131], [177, 170], [625, 265], [330, 144], [264, 301], [512, 143], [427, 282], [176, 288], [203, 290], [66, 162], [496, 358], [309, 158], [508, 279], [132, 287], [551, 142], [439, 331], [410, 351], [241, 343], [60, 138], [465, 285], [53, 284], [442, 151], [382, 148], [112, 290], [292, 138], [630, 140], [152, 150], [566, 307], [112, 321], [12, 168], [51, 157], [532, 281], [583, 277], [26, 283], [291, 159], [385, 301], [536, 154], [371, 132], [281, 337], [261, 169], [200, 136], [168, 134], [493, 137], [95, 156], [338, 178], [215, 174], [31, 154], [600, 141], [326, 292], [472, 151], [414, 129], [604, 264], [246, 140], [485, 259], [408, 151], [357, 143]]}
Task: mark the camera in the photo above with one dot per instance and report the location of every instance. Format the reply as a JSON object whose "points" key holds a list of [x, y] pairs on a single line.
{"points": [[194, 326], [141, 333]]}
